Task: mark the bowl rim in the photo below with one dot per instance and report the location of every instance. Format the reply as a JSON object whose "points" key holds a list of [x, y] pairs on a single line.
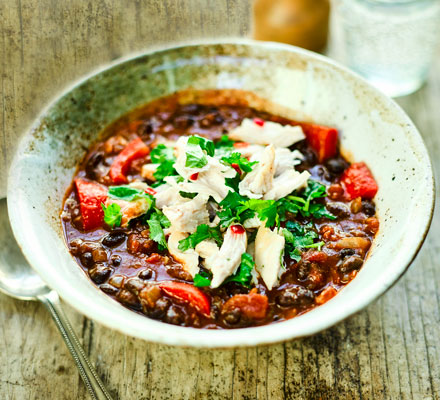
{"points": [[203, 338]]}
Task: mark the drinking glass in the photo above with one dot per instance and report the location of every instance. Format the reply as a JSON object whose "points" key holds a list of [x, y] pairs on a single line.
{"points": [[390, 42]]}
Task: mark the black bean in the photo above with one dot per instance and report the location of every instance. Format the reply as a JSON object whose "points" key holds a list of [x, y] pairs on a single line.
{"points": [[160, 308], [336, 165], [109, 289], [232, 317], [87, 259], [303, 269], [368, 208], [134, 285], [146, 274], [338, 209], [351, 263], [75, 246], [323, 173], [128, 298], [174, 316], [346, 253], [92, 164], [295, 296], [116, 260], [100, 273], [114, 239]]}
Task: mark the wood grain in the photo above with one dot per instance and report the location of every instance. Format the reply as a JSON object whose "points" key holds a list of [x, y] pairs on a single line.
{"points": [[391, 350]]}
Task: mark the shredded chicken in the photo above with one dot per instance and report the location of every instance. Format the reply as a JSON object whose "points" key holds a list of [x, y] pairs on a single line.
{"points": [[259, 181], [148, 171], [227, 260], [252, 223], [286, 183], [269, 247], [270, 133], [286, 159], [207, 249], [130, 209], [186, 217], [189, 258]]}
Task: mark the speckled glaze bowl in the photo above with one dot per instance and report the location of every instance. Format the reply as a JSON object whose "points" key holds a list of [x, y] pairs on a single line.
{"points": [[294, 82]]}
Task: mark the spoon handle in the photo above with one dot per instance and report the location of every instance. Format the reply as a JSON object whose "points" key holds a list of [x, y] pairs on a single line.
{"points": [[88, 374]]}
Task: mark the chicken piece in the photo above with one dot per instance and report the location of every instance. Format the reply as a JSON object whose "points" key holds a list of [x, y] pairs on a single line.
{"points": [[168, 195], [163, 140], [179, 165], [186, 217], [248, 150], [189, 258], [259, 181], [148, 170], [228, 259], [130, 209], [286, 183], [252, 223], [267, 133], [269, 247], [207, 249], [286, 159]]}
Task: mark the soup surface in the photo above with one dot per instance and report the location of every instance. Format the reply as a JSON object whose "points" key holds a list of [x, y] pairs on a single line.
{"points": [[219, 216]]}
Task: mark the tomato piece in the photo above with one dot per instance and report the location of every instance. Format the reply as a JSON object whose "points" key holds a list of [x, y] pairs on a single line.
{"points": [[252, 305], [359, 182], [239, 145], [327, 294], [134, 150], [91, 195], [188, 293], [323, 139]]}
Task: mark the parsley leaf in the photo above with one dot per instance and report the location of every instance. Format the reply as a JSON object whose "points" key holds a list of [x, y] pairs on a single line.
{"points": [[187, 195], [155, 222], [112, 214], [202, 233], [205, 144], [195, 151], [128, 193], [265, 209], [299, 237], [164, 156], [202, 279], [224, 142], [243, 163], [244, 272], [233, 210], [319, 211]]}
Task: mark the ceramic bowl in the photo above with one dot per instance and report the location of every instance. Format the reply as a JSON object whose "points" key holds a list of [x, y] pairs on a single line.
{"points": [[372, 128]]}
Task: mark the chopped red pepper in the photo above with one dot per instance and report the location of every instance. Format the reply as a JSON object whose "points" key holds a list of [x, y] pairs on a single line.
{"points": [[258, 121], [91, 195], [252, 305], [239, 145], [150, 191], [188, 293], [327, 294], [236, 167], [237, 229], [134, 150], [322, 139], [359, 182], [194, 176]]}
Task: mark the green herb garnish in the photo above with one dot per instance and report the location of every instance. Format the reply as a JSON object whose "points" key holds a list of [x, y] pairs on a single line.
{"points": [[202, 233], [242, 162], [164, 156], [112, 214]]}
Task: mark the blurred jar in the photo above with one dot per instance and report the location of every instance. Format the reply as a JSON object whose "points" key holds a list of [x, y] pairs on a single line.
{"points": [[302, 23], [390, 42]]}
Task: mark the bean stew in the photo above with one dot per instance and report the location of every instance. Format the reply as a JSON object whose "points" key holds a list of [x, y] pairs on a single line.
{"points": [[219, 216]]}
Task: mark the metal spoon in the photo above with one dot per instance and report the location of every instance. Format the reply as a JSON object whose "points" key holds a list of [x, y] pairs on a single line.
{"points": [[18, 279]]}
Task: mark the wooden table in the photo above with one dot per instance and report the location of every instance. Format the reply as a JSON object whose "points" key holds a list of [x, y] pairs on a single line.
{"points": [[391, 350]]}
